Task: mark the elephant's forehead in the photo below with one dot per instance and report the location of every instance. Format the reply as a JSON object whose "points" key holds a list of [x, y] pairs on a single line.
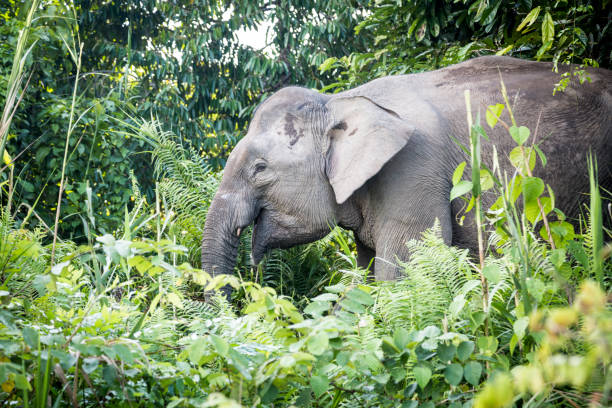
{"points": [[281, 127], [287, 100], [273, 115]]}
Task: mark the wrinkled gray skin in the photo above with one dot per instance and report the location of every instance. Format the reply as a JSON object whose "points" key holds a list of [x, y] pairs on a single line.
{"points": [[379, 159]]}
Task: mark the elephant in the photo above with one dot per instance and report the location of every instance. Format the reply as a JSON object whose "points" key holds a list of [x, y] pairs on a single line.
{"points": [[378, 159]]}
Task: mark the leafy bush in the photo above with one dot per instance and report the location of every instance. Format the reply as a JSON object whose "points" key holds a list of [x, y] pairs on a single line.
{"points": [[140, 337]]}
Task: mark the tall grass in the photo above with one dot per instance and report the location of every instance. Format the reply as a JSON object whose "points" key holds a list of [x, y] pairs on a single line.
{"points": [[75, 49], [15, 92]]}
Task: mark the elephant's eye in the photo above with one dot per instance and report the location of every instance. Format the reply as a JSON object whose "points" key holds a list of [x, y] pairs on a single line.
{"points": [[259, 167]]}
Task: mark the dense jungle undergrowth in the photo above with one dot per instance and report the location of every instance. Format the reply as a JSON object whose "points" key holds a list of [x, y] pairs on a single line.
{"points": [[102, 302]]}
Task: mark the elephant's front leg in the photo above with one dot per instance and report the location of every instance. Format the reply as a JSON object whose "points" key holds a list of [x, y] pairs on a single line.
{"points": [[385, 264], [391, 243]]}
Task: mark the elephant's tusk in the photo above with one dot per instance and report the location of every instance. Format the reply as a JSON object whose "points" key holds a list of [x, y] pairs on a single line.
{"points": [[238, 231]]}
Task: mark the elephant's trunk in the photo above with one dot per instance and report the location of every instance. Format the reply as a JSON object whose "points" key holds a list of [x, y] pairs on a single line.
{"points": [[227, 216], [220, 239]]}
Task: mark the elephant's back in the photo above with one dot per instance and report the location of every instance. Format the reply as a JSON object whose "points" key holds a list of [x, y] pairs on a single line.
{"points": [[568, 124]]}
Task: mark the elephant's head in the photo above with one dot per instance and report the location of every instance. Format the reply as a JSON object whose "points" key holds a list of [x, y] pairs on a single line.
{"points": [[304, 155]]}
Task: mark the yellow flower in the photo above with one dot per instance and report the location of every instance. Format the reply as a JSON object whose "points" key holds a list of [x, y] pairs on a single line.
{"points": [[7, 159], [8, 386]]}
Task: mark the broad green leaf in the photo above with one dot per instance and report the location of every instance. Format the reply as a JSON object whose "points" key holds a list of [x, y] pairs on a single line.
{"points": [[352, 306], [453, 374], [317, 344], [196, 350], [241, 363], [410, 390], [472, 372], [460, 189], [532, 188], [548, 28], [30, 336], [343, 358], [464, 350], [493, 114], [562, 229], [109, 373], [360, 296], [220, 345], [369, 360], [487, 345], [388, 346], [532, 210], [317, 307], [382, 378], [492, 272], [401, 338], [90, 364], [22, 382], [458, 173], [542, 50], [478, 317], [67, 360], [519, 134], [326, 297], [300, 356], [519, 326], [446, 352], [268, 395], [557, 257], [518, 158], [319, 384], [337, 288], [123, 352], [431, 332], [398, 374], [541, 155], [512, 345], [529, 19], [536, 288], [422, 375], [457, 305], [486, 180]]}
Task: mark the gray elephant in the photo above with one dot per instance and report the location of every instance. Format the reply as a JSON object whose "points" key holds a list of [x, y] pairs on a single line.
{"points": [[379, 159]]}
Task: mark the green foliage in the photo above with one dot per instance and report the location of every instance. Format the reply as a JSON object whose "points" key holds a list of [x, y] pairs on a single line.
{"points": [[194, 74], [141, 336], [418, 35]]}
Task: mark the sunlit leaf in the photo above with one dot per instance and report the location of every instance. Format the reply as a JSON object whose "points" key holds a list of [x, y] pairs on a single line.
{"points": [[422, 375]]}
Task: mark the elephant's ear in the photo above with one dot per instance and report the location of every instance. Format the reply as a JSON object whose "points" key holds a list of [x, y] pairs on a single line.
{"points": [[361, 137]]}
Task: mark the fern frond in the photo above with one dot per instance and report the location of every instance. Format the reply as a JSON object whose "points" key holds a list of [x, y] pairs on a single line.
{"points": [[434, 275]]}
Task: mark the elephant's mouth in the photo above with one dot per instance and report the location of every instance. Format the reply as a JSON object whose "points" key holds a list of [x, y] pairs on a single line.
{"points": [[268, 233], [272, 229], [258, 247]]}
